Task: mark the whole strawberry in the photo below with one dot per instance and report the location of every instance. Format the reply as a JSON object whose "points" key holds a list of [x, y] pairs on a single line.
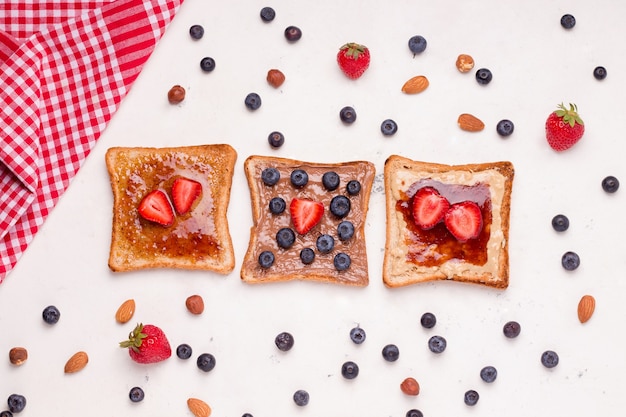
{"points": [[147, 344], [353, 59], [564, 127]]}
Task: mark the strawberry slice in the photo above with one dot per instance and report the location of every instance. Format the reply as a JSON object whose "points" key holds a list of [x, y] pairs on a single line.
{"points": [[305, 214], [464, 220], [155, 207], [429, 207], [184, 193]]}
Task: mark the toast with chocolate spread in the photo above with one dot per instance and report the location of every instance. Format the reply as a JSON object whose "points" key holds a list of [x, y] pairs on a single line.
{"points": [[308, 221], [170, 206], [447, 222]]}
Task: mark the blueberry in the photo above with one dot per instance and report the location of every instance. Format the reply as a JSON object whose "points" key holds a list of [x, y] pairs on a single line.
{"points": [[568, 21], [549, 359], [276, 139], [417, 44], [330, 180], [342, 261], [285, 237], [345, 230], [299, 178], [511, 329], [51, 315], [6, 413], [599, 73], [253, 101], [488, 374], [307, 256], [247, 415], [16, 403], [183, 351], [505, 127], [610, 184], [483, 76], [353, 187], [414, 413], [196, 32], [325, 243], [349, 370], [293, 33], [206, 362], [391, 353], [437, 344], [560, 223], [388, 127], [270, 176], [470, 397], [266, 259], [284, 341], [268, 14], [347, 115], [428, 320], [207, 64], [277, 205], [357, 335], [340, 206], [301, 397], [570, 260], [136, 394]]}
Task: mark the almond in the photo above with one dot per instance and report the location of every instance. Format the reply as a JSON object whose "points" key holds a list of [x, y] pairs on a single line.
{"points": [[415, 85], [586, 306], [18, 355], [470, 123], [275, 78], [126, 311], [77, 362], [464, 63], [198, 407], [410, 386], [195, 304]]}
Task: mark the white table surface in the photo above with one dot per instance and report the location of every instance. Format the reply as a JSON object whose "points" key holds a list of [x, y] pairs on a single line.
{"points": [[536, 64]]}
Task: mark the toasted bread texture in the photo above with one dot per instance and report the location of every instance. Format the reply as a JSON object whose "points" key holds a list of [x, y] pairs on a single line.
{"points": [[413, 255], [200, 238], [287, 264]]}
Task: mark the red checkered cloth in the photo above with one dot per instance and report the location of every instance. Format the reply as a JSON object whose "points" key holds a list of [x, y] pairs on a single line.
{"points": [[65, 66]]}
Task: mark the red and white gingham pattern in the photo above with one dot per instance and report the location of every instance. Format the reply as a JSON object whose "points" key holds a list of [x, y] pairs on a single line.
{"points": [[64, 68]]}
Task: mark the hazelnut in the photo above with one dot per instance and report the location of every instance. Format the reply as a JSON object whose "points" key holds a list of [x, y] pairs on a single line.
{"points": [[410, 386], [18, 355], [464, 63], [195, 304], [275, 78], [176, 94]]}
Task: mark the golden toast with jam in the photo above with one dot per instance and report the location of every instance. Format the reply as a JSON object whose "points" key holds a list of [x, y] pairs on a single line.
{"points": [[170, 206], [447, 222], [308, 221]]}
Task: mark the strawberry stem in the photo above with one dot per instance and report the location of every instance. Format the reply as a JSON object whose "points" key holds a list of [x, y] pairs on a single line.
{"points": [[353, 50], [570, 115], [135, 338]]}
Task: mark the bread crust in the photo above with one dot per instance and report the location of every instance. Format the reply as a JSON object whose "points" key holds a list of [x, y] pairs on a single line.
{"points": [[288, 265], [400, 265], [199, 239]]}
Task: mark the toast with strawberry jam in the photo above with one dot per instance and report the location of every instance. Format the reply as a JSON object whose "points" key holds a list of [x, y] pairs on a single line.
{"points": [[308, 221], [447, 222], [170, 206]]}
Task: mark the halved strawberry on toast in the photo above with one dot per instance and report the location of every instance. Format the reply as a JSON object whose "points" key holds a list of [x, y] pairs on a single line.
{"points": [[464, 220], [156, 207], [429, 207], [305, 214], [185, 191]]}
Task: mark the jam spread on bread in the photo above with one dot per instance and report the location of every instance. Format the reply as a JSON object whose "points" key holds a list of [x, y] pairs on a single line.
{"points": [[435, 244], [191, 230]]}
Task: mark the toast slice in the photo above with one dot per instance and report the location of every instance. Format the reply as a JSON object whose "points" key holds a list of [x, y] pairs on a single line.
{"points": [[198, 239], [414, 254], [282, 260]]}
